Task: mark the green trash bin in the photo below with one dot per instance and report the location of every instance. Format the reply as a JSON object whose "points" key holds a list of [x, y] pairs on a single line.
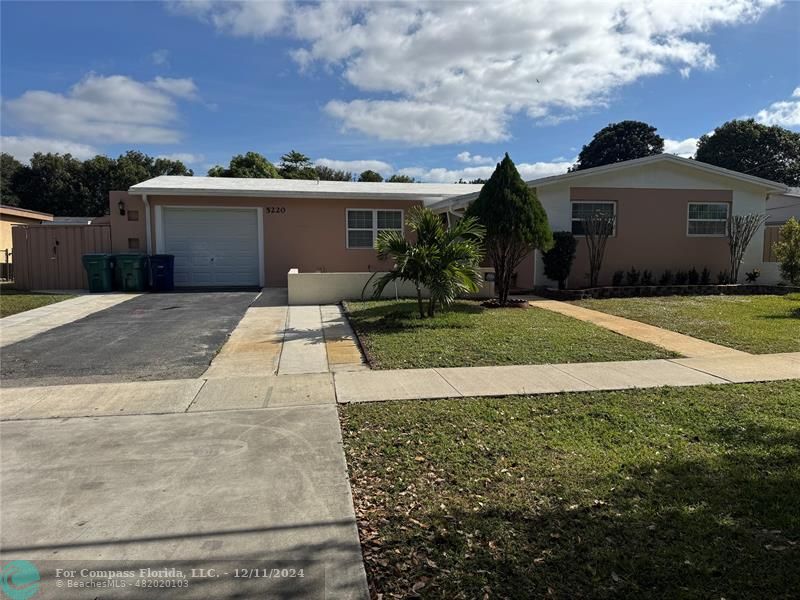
{"points": [[130, 272], [99, 271]]}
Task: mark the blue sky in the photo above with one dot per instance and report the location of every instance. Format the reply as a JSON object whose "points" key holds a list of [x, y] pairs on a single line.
{"points": [[436, 90]]}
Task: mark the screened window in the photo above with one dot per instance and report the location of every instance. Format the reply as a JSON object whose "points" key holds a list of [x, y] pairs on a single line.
{"points": [[708, 218], [584, 210], [363, 225]]}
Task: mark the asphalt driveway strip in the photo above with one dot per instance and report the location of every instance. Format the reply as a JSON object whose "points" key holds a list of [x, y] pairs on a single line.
{"points": [[151, 337]]}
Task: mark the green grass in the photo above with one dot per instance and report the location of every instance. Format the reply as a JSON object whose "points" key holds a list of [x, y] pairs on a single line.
{"points": [[468, 335], [13, 301], [665, 493], [757, 324]]}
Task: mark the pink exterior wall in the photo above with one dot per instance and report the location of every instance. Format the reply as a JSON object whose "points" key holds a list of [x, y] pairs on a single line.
{"points": [[310, 235], [123, 230], [651, 233]]}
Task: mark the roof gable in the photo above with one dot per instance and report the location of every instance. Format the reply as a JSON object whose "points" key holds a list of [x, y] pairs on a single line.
{"points": [[669, 159]]}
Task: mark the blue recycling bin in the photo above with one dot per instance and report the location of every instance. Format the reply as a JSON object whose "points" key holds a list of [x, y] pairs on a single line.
{"points": [[162, 272]]}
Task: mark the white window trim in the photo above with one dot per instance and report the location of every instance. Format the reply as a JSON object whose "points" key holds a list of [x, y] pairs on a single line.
{"points": [[727, 206], [375, 230], [571, 220]]}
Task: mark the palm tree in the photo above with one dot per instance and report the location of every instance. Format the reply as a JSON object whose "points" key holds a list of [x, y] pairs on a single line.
{"points": [[445, 261]]}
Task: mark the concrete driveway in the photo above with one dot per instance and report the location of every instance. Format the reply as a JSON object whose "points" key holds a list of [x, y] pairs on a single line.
{"points": [[253, 489], [151, 337]]}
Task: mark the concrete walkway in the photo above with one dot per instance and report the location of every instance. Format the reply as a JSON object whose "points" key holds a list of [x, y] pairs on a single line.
{"points": [[317, 389], [420, 384], [226, 490], [676, 342], [24, 325]]}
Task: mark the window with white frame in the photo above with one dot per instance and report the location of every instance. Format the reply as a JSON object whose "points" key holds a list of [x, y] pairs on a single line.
{"points": [[708, 218], [584, 209], [363, 225]]}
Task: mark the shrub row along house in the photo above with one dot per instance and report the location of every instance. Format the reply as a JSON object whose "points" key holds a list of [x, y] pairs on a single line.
{"points": [[671, 214]]}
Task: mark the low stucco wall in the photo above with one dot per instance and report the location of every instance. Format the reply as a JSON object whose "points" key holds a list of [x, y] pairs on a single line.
{"points": [[330, 288]]}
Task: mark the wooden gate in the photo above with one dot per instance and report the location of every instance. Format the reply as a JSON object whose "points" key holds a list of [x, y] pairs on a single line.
{"points": [[48, 257]]}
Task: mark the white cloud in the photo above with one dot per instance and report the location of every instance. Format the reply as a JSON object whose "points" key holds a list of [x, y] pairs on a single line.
{"points": [[23, 147], [528, 171], [182, 88], [246, 18], [185, 157], [455, 72], [474, 159], [785, 113], [685, 148], [356, 166], [113, 109], [160, 57]]}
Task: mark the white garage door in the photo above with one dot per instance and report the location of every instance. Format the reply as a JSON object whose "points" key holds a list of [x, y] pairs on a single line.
{"points": [[212, 246]]}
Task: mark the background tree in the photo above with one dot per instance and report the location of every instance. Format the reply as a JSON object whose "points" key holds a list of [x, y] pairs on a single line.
{"points": [[370, 175], [251, 164], [558, 260], [787, 251], [445, 261], [770, 152], [99, 177], [515, 222], [397, 178], [617, 142], [597, 228], [328, 174], [741, 229], [134, 167], [65, 186], [52, 183], [296, 165], [8, 167]]}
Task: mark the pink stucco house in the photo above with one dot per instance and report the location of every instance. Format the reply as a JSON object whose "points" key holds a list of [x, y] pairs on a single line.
{"points": [[671, 214]]}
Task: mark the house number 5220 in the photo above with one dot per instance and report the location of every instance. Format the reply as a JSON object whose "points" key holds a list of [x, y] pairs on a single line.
{"points": [[273, 210]]}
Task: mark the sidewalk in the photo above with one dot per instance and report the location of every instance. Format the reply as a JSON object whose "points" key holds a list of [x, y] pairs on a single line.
{"points": [[420, 384], [210, 394]]}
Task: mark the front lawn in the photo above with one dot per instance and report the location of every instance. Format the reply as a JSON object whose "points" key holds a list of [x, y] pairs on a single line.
{"points": [[468, 335], [13, 301], [662, 493], [757, 324]]}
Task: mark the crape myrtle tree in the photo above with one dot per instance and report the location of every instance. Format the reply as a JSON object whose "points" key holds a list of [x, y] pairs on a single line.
{"points": [[558, 260], [741, 229], [445, 261], [597, 228], [515, 221]]}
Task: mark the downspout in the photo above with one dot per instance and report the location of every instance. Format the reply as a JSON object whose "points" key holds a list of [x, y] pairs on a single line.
{"points": [[147, 235]]}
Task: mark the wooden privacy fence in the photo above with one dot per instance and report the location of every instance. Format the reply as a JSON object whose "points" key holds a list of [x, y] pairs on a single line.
{"points": [[772, 235], [48, 257]]}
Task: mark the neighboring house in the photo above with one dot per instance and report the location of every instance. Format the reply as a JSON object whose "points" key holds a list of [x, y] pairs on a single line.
{"points": [[237, 232], [72, 220], [10, 216], [671, 213], [780, 208]]}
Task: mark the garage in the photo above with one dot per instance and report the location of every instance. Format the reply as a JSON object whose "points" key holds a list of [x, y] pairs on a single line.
{"points": [[213, 247]]}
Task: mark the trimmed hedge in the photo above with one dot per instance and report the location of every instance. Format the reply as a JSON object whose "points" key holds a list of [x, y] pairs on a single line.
{"points": [[666, 290]]}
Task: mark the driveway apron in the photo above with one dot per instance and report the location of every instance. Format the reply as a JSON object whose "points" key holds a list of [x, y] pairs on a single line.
{"points": [[151, 337]]}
